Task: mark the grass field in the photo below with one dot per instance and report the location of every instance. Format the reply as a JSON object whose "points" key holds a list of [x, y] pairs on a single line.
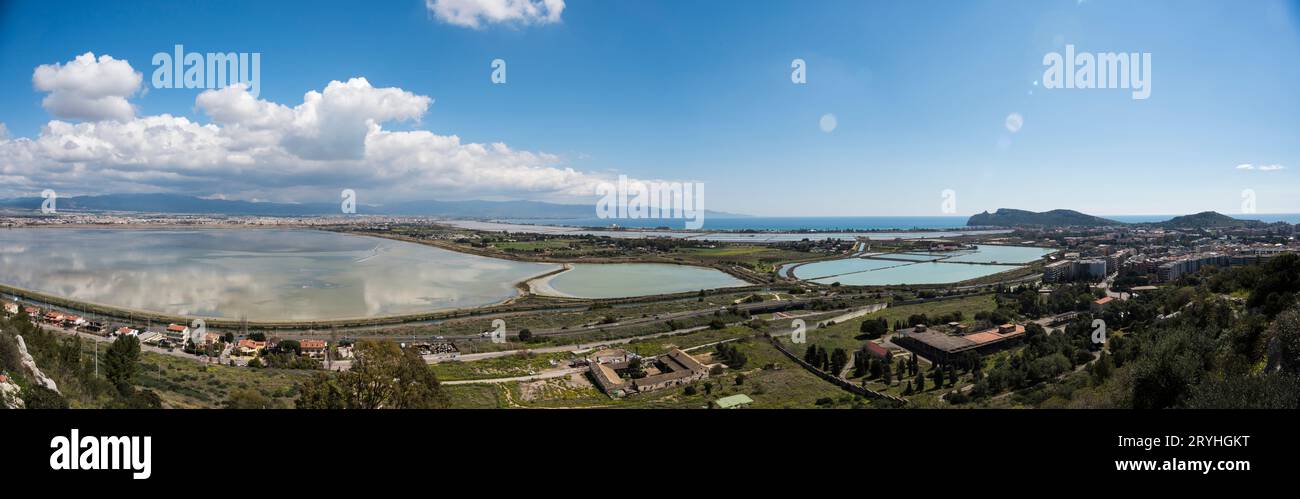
{"points": [[757, 257], [661, 345], [519, 364], [184, 383], [549, 244]]}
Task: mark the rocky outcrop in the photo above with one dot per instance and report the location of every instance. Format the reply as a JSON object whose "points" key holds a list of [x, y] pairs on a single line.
{"points": [[29, 365], [9, 394]]}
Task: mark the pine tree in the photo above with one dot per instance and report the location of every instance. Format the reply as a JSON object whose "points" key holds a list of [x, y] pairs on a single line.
{"points": [[121, 361]]}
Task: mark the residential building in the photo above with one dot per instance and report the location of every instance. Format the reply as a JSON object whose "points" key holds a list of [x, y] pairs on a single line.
{"points": [[313, 348], [177, 332]]}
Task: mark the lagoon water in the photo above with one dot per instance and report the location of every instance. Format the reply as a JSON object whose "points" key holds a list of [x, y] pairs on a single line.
{"points": [[1002, 254], [619, 280], [920, 267], [295, 274], [917, 273], [260, 274]]}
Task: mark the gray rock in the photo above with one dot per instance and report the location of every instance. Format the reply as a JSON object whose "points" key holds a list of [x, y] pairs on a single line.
{"points": [[29, 365]]}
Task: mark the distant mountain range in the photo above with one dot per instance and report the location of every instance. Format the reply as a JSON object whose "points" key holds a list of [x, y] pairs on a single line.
{"points": [[1007, 217], [181, 204]]}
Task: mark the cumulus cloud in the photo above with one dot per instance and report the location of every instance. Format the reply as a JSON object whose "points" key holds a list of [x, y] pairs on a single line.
{"points": [[475, 13], [328, 125], [257, 149], [1261, 168], [86, 88]]}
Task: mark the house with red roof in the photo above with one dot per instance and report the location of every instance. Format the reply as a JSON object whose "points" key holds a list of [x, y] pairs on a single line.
{"points": [[1099, 305], [249, 347], [177, 332], [876, 350], [312, 348]]}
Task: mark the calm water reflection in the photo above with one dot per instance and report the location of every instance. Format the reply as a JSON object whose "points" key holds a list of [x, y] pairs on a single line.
{"points": [[619, 280], [261, 274], [917, 267]]}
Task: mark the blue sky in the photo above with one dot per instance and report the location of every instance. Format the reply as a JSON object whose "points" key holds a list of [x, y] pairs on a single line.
{"points": [[701, 91]]}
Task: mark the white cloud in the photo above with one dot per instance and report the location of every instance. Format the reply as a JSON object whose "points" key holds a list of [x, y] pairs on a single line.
{"points": [[1261, 168], [4, 131], [475, 13], [328, 125], [88, 89], [257, 149]]}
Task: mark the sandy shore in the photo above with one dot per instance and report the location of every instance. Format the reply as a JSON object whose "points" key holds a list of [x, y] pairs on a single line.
{"points": [[541, 285]]}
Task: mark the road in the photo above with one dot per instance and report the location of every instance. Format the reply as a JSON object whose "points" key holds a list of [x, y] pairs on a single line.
{"points": [[342, 365], [143, 347], [1107, 283]]}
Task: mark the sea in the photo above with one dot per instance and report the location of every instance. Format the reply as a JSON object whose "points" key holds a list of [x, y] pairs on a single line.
{"points": [[839, 223]]}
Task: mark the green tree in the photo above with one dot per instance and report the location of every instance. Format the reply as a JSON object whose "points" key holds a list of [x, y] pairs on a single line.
{"points": [[121, 362], [1101, 369], [40, 397], [247, 399], [839, 359], [290, 346], [383, 376], [525, 335], [810, 355], [137, 399], [1287, 335]]}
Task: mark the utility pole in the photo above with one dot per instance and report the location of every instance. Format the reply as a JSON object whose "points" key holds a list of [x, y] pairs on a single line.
{"points": [[334, 343]]}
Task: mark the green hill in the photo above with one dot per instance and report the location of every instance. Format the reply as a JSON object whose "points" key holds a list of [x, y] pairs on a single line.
{"points": [[1206, 219], [1007, 217]]}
